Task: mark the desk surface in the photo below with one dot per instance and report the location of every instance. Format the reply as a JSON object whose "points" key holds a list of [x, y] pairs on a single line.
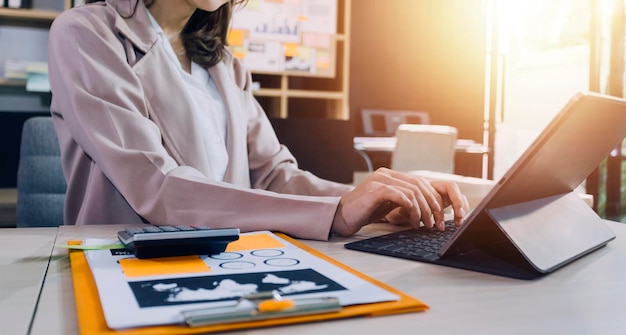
{"points": [[24, 256], [388, 143], [469, 154], [585, 297]]}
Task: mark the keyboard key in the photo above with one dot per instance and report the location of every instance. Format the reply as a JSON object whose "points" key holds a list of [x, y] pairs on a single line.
{"points": [[422, 243]]}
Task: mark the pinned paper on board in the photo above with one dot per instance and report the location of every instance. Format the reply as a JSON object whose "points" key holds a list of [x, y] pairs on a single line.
{"points": [[285, 36]]}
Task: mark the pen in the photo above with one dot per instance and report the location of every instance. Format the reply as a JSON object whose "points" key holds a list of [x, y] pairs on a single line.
{"points": [[259, 306]]}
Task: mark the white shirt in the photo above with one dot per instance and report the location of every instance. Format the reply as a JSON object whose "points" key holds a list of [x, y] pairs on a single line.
{"points": [[209, 108]]}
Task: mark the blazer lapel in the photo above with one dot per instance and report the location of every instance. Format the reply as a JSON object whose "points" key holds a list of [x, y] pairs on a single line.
{"points": [[170, 105]]}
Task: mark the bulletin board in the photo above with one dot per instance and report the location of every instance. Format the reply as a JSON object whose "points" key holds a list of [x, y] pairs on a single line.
{"points": [[286, 36]]}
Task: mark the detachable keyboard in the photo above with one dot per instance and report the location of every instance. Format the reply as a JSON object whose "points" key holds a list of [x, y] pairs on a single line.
{"points": [[416, 244], [164, 241]]}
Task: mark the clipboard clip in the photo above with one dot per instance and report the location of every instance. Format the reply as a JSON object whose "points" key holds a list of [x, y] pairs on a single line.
{"points": [[260, 306]]}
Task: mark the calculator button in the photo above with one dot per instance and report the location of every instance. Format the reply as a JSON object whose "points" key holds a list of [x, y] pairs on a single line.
{"points": [[133, 231], [185, 228], [152, 229], [169, 228]]}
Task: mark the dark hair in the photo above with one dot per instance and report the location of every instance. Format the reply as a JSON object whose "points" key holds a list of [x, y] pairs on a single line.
{"points": [[204, 35]]}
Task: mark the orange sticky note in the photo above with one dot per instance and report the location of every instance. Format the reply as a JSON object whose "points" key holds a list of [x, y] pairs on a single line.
{"points": [[291, 49], [240, 55], [323, 60], [135, 267], [252, 242], [235, 37]]}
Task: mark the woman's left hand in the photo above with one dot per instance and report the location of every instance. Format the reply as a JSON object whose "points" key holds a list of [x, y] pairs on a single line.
{"points": [[398, 198]]}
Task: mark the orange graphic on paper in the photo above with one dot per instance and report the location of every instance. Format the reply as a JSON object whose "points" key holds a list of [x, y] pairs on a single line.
{"points": [[135, 267], [253, 242]]}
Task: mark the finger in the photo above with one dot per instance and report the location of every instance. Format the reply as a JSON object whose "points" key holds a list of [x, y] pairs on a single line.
{"points": [[417, 184], [461, 212], [440, 221], [459, 202], [421, 193], [460, 208], [430, 203], [438, 215], [420, 212], [401, 215], [367, 204], [428, 199], [429, 193], [381, 195], [415, 190]]}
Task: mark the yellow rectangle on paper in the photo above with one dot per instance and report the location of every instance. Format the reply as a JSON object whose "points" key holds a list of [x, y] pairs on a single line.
{"points": [[252, 242], [135, 267]]}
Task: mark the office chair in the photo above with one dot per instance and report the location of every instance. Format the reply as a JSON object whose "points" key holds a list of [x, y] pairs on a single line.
{"points": [[41, 185], [424, 147]]}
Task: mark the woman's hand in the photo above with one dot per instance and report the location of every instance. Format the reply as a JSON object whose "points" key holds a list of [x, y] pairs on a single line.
{"points": [[398, 198]]}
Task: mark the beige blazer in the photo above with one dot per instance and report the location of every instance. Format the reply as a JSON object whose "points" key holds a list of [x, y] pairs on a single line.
{"points": [[131, 148]]}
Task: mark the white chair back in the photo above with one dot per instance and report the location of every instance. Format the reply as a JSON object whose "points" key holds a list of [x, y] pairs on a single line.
{"points": [[424, 147]]}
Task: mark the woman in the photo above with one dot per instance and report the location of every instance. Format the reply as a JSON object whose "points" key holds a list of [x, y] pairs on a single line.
{"points": [[157, 124]]}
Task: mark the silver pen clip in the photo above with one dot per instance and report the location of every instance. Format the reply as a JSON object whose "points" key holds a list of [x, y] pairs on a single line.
{"points": [[260, 306]]}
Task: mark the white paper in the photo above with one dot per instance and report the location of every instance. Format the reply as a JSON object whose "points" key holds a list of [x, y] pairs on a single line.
{"points": [[270, 20], [15, 3], [321, 16], [159, 299], [263, 56]]}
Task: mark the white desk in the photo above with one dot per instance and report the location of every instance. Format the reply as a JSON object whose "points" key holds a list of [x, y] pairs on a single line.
{"points": [[585, 297], [377, 152], [388, 143], [24, 257]]}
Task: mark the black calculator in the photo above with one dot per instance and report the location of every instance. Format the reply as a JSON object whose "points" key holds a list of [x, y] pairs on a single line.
{"points": [[166, 241]]}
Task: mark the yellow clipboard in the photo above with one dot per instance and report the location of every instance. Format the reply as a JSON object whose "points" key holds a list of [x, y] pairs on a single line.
{"points": [[91, 316]]}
